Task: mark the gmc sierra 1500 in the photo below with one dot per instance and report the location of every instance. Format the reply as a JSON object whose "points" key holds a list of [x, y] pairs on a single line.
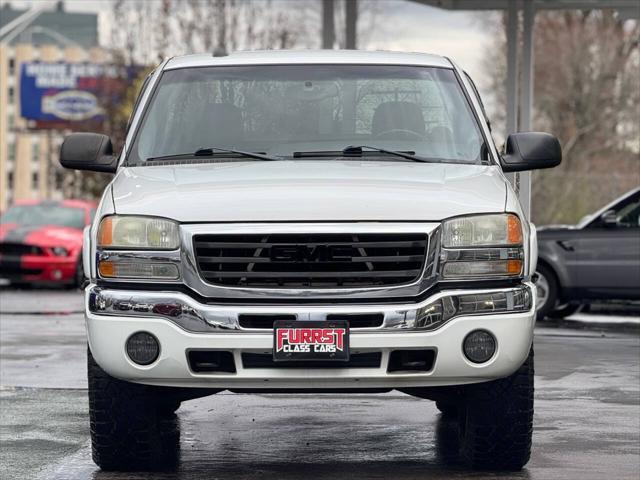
{"points": [[310, 221]]}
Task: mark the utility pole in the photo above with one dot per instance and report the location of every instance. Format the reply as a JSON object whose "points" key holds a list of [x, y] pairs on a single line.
{"points": [[351, 17], [328, 24]]}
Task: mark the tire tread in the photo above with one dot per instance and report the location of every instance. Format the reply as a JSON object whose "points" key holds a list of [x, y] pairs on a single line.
{"points": [[125, 423], [497, 425]]}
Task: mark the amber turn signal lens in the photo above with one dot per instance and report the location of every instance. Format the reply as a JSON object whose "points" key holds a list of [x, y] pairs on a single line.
{"points": [[514, 230], [106, 269], [514, 267], [128, 269], [105, 232]]}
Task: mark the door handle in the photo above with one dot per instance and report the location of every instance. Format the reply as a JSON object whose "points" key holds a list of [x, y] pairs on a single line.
{"points": [[565, 245]]}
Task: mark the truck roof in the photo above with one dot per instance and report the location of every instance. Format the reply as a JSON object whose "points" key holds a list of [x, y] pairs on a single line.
{"points": [[283, 57]]}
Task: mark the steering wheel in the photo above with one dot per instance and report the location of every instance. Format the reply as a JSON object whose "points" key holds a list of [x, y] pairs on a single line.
{"points": [[399, 132]]}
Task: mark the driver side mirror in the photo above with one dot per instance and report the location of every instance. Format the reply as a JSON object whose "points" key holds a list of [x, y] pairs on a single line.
{"points": [[88, 151], [530, 151], [609, 219]]}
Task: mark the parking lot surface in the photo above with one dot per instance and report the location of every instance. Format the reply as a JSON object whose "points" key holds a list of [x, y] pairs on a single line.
{"points": [[587, 423]]}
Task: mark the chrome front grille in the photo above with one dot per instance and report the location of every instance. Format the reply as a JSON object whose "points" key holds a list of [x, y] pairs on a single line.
{"points": [[310, 260]]}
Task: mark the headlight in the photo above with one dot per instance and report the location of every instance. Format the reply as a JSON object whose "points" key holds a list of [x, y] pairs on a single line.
{"points": [[120, 231], [482, 230], [59, 251], [482, 247]]}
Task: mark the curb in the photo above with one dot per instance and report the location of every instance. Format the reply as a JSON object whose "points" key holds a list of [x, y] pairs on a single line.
{"points": [[581, 321]]}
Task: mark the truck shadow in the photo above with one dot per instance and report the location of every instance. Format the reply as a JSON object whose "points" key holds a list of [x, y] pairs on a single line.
{"points": [[238, 462]]}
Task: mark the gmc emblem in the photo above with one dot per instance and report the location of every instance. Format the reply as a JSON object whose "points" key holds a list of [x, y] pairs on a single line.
{"points": [[304, 253]]}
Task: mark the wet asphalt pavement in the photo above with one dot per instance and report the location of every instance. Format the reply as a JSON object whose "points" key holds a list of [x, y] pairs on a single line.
{"points": [[587, 423]]}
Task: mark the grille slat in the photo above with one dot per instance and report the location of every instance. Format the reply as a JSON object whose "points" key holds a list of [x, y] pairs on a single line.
{"points": [[19, 249], [356, 360], [312, 260], [239, 244], [229, 274], [391, 258]]}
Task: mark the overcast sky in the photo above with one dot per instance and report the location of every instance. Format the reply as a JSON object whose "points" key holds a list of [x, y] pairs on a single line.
{"points": [[403, 25]]}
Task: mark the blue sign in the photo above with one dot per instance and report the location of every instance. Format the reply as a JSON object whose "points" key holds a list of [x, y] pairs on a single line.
{"points": [[66, 92]]}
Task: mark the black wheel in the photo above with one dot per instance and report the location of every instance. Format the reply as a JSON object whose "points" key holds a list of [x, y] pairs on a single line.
{"points": [[131, 429], [547, 290], [496, 421], [447, 409], [562, 311]]}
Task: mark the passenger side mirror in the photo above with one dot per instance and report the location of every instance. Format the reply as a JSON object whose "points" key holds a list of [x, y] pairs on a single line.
{"points": [[609, 219], [531, 151], [88, 151]]}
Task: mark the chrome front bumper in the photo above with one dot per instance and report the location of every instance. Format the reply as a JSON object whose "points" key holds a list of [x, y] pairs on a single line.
{"points": [[113, 315], [193, 316]]}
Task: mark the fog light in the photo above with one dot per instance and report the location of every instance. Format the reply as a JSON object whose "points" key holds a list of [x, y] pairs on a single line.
{"points": [[59, 251], [143, 348], [479, 346]]}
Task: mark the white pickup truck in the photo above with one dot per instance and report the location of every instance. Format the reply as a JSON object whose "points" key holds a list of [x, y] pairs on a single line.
{"points": [[325, 221]]}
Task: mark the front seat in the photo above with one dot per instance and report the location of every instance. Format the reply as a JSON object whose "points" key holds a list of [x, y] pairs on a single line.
{"points": [[216, 125], [398, 116]]}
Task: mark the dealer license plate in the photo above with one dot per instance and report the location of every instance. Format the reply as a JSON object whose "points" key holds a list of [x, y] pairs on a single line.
{"points": [[310, 340]]}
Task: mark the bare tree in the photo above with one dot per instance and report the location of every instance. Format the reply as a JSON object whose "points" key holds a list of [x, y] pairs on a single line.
{"points": [[587, 92], [147, 30]]}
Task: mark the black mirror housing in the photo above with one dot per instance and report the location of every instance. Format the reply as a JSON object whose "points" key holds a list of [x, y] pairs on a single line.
{"points": [[88, 151], [609, 219], [531, 151]]}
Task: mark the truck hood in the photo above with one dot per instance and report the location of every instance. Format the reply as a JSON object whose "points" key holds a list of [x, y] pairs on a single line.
{"points": [[309, 191]]}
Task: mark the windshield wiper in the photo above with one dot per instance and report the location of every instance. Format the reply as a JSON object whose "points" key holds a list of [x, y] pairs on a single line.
{"points": [[211, 151], [357, 151]]}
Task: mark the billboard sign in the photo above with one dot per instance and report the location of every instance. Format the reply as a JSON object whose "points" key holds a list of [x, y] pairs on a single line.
{"points": [[66, 93]]}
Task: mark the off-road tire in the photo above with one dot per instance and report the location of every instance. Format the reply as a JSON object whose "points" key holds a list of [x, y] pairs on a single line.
{"points": [[496, 421], [130, 428], [448, 409]]}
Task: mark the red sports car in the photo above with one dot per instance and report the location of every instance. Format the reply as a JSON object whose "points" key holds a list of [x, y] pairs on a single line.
{"points": [[41, 241]]}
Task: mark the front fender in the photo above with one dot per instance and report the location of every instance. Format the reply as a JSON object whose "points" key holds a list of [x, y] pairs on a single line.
{"points": [[533, 248], [550, 253], [86, 250], [105, 207]]}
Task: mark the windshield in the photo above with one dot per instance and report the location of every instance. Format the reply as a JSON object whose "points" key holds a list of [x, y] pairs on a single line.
{"points": [[38, 215], [281, 109]]}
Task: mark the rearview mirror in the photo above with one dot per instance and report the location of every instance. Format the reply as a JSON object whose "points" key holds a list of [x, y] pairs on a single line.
{"points": [[609, 219], [531, 151], [88, 151]]}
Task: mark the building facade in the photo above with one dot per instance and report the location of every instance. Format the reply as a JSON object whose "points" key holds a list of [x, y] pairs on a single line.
{"points": [[29, 157]]}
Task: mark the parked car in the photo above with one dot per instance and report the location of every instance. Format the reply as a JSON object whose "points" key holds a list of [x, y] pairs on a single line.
{"points": [[596, 260], [310, 222], [41, 242]]}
